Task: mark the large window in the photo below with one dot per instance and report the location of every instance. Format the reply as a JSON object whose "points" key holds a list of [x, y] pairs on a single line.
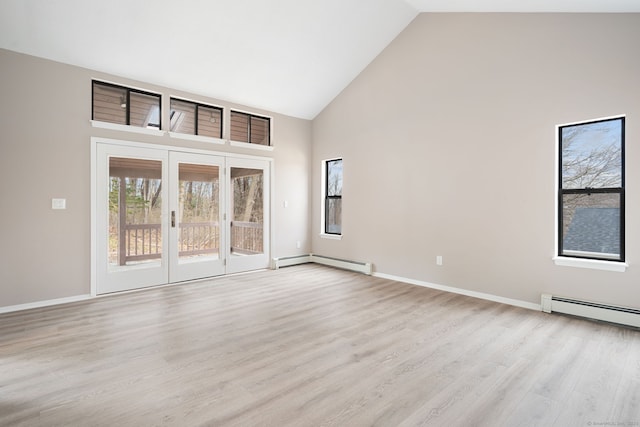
{"points": [[333, 197], [195, 119], [250, 128], [591, 190], [125, 106]]}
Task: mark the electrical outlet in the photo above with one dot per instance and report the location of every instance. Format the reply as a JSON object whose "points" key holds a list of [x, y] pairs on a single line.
{"points": [[298, 245], [439, 260]]}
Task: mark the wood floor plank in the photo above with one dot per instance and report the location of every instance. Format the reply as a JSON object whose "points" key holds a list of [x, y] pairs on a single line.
{"points": [[311, 346]]}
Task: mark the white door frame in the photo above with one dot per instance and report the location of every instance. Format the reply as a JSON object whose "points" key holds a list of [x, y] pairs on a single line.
{"points": [[126, 143]]}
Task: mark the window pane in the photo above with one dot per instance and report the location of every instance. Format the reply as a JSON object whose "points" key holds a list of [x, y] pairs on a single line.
{"points": [[145, 110], [592, 155], [333, 216], [109, 104], [334, 178], [591, 225], [183, 117], [259, 130], [210, 121], [239, 127]]}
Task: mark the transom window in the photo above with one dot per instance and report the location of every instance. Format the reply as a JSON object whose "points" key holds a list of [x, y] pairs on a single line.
{"points": [[122, 105], [591, 190], [250, 128], [195, 119]]}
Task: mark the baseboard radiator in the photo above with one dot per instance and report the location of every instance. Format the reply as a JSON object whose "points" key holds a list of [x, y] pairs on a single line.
{"points": [[360, 267], [287, 261], [608, 313]]}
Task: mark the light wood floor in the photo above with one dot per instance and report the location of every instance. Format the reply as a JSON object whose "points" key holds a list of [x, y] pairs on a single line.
{"points": [[312, 346]]}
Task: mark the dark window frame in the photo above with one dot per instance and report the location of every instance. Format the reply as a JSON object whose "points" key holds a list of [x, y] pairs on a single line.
{"points": [[127, 100], [251, 116], [198, 105], [620, 191], [328, 197]]}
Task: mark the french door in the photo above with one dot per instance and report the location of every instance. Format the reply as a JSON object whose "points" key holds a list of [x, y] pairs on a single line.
{"points": [[166, 216], [196, 217]]}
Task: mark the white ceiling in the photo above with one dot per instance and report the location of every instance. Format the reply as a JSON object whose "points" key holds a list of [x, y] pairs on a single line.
{"points": [[287, 56]]}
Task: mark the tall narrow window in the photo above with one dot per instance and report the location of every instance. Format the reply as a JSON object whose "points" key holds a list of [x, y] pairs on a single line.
{"points": [[333, 197], [122, 105], [195, 119], [250, 128], [591, 190]]}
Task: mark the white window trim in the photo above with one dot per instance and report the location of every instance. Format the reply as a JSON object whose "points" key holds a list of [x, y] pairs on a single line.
{"points": [[251, 146], [564, 261], [199, 138], [126, 128], [595, 264], [324, 235]]}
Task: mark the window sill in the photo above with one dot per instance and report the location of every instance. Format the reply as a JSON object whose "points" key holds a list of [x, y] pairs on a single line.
{"points": [[591, 263], [331, 236], [199, 138], [252, 146], [126, 128]]}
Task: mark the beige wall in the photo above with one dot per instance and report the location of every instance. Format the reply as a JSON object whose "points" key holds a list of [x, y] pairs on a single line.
{"points": [[448, 140], [45, 111]]}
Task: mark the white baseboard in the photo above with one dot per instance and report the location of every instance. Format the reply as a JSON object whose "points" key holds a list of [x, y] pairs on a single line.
{"points": [[360, 267], [481, 295], [40, 304]]}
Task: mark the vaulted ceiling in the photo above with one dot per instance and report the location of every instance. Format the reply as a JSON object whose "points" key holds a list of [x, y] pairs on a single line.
{"points": [[287, 56]]}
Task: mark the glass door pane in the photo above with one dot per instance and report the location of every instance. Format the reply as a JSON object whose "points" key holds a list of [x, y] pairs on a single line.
{"points": [[248, 243], [247, 211], [198, 212], [135, 212]]}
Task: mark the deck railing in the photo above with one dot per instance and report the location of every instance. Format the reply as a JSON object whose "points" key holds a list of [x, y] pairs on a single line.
{"points": [[198, 238], [144, 241], [141, 242], [246, 237]]}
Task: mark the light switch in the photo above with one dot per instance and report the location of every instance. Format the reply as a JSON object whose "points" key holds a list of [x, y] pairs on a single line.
{"points": [[58, 203]]}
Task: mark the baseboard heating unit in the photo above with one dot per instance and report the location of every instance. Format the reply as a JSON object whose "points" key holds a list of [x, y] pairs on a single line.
{"points": [[608, 313], [287, 261], [360, 267]]}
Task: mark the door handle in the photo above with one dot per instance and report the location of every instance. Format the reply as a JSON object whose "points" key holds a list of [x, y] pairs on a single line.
{"points": [[173, 219]]}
